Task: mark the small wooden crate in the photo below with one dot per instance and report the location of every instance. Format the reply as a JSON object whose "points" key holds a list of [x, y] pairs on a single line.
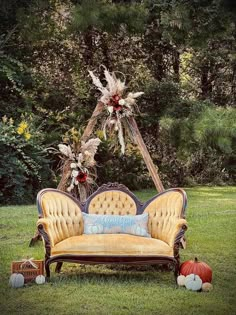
{"points": [[27, 270]]}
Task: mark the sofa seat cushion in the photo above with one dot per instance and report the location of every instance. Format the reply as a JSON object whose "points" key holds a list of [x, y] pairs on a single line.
{"points": [[111, 244]]}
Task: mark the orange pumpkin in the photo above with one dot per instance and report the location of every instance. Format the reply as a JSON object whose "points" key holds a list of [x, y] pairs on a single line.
{"points": [[198, 268]]}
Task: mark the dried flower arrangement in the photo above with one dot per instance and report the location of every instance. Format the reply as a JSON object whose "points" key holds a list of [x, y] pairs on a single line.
{"points": [[80, 164], [119, 107]]}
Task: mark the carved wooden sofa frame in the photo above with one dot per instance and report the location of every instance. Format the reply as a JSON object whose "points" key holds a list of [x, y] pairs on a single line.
{"points": [[173, 199]]}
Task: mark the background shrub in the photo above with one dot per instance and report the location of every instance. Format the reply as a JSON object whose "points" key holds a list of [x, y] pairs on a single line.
{"points": [[187, 112], [24, 166]]}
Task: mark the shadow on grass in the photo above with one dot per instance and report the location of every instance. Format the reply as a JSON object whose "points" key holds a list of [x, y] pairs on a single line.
{"points": [[121, 274]]}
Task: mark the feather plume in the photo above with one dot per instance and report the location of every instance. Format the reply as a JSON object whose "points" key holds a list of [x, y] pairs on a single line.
{"points": [[71, 155], [66, 150], [129, 101], [121, 137], [106, 93], [80, 159], [135, 95], [96, 80], [63, 149], [91, 146], [120, 86], [111, 82], [104, 129]]}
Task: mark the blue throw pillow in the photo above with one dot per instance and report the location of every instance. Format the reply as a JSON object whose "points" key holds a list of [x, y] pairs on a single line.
{"points": [[112, 224]]}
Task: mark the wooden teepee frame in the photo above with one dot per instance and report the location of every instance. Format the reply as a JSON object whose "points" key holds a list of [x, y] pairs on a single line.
{"points": [[137, 138]]}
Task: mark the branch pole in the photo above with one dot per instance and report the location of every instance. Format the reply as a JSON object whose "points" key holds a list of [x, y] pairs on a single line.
{"points": [[92, 121], [146, 156]]}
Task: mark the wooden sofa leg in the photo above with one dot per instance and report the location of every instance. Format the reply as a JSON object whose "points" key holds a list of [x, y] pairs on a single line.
{"points": [[47, 268], [176, 271], [177, 261], [58, 267]]}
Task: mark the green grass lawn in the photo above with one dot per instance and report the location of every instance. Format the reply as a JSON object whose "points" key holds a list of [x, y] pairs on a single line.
{"points": [[211, 216]]}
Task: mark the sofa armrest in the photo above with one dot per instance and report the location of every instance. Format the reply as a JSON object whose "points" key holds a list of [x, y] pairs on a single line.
{"points": [[62, 213], [178, 231], [58, 228], [44, 227]]}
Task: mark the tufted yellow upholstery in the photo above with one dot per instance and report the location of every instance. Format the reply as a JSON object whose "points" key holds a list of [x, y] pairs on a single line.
{"points": [[165, 218], [112, 244], [62, 228], [112, 202], [63, 222], [62, 217]]}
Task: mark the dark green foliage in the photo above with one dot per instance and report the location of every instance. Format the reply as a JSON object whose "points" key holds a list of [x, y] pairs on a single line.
{"points": [[205, 141], [128, 169], [105, 16], [24, 165], [159, 98], [180, 53], [15, 82], [216, 127]]}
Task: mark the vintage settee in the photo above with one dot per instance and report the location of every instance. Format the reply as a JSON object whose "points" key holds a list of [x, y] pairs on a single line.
{"points": [[61, 227]]}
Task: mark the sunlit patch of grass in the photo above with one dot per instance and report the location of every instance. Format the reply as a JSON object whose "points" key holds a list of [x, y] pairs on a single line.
{"points": [[79, 289]]}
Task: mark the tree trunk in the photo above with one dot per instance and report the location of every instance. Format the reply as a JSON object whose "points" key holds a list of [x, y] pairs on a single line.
{"points": [[176, 64], [204, 81], [88, 51], [233, 84], [105, 50]]}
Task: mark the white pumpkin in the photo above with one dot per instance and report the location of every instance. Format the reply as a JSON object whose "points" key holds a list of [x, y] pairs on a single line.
{"points": [[16, 280], [207, 287], [40, 279], [193, 282], [181, 280]]}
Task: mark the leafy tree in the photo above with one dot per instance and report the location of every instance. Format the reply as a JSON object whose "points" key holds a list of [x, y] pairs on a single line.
{"points": [[24, 166], [180, 53]]}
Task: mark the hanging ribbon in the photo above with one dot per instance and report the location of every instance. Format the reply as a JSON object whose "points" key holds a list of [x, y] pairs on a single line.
{"points": [[121, 136], [28, 262]]}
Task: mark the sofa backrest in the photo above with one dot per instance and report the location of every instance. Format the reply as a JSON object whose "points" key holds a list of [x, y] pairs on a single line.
{"points": [[164, 211], [113, 199], [63, 213]]}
